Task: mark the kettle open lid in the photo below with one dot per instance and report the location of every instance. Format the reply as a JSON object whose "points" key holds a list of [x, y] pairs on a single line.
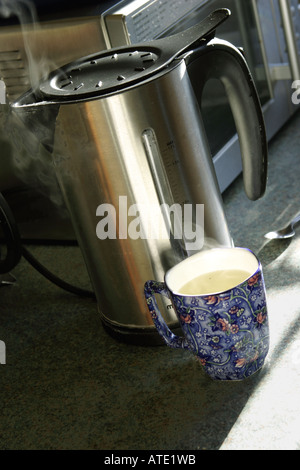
{"points": [[118, 69]]}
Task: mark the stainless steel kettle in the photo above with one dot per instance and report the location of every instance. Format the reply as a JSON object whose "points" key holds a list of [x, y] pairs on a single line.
{"points": [[124, 128]]}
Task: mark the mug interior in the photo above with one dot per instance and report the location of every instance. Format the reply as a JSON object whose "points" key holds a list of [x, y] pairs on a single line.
{"points": [[218, 259]]}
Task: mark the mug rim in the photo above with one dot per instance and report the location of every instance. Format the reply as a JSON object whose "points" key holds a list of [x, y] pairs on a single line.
{"points": [[198, 255]]}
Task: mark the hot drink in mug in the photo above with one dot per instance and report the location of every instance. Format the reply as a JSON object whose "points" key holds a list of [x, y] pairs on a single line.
{"points": [[220, 300]]}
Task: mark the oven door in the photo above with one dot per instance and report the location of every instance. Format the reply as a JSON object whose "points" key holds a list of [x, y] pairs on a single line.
{"points": [[261, 27]]}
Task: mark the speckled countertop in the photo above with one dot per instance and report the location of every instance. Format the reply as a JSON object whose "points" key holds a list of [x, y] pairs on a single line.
{"points": [[68, 385]]}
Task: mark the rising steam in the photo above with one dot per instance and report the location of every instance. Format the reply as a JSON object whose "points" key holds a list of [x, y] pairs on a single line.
{"points": [[26, 14], [32, 162]]}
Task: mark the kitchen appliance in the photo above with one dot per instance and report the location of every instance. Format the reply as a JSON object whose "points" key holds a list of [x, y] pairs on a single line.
{"points": [[267, 30], [126, 124]]}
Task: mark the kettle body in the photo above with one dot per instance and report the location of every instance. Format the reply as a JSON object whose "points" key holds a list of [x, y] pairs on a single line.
{"points": [[143, 145], [135, 149]]}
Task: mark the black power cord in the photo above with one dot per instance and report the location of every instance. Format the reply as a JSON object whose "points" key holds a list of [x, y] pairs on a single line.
{"points": [[54, 279], [15, 250], [11, 238]]}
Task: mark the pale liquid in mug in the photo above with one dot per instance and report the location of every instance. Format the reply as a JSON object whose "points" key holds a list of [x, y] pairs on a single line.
{"points": [[214, 282]]}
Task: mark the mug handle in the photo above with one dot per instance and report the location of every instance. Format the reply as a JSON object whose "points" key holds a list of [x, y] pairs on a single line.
{"points": [[154, 287]]}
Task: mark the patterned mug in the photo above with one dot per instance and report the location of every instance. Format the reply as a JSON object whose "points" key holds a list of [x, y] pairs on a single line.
{"points": [[225, 323]]}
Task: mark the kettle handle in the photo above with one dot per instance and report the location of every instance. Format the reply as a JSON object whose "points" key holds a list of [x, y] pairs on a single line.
{"points": [[221, 60]]}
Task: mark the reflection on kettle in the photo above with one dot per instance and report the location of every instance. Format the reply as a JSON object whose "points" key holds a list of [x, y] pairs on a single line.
{"points": [[125, 124]]}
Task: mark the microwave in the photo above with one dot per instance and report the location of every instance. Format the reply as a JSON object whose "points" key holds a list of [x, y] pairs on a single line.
{"points": [[268, 31]]}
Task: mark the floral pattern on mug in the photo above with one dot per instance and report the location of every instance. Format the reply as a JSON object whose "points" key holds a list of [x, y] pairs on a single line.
{"points": [[228, 332], [231, 329]]}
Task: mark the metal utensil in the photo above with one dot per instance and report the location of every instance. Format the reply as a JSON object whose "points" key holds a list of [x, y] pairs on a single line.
{"points": [[286, 232]]}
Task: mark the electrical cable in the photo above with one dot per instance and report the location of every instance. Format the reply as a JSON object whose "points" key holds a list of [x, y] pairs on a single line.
{"points": [[15, 250], [54, 279], [11, 236]]}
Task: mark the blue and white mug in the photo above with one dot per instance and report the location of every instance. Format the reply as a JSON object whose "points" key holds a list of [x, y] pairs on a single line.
{"points": [[223, 315]]}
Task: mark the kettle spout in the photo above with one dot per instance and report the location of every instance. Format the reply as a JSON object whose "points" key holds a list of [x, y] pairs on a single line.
{"points": [[37, 118]]}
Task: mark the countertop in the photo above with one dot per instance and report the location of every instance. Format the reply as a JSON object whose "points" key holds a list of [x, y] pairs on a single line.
{"points": [[67, 384]]}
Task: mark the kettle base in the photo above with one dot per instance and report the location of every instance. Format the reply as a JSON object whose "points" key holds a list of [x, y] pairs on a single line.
{"points": [[138, 336]]}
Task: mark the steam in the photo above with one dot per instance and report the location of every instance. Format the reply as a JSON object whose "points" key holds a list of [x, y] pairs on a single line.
{"points": [[211, 244], [23, 9], [26, 14], [32, 162]]}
